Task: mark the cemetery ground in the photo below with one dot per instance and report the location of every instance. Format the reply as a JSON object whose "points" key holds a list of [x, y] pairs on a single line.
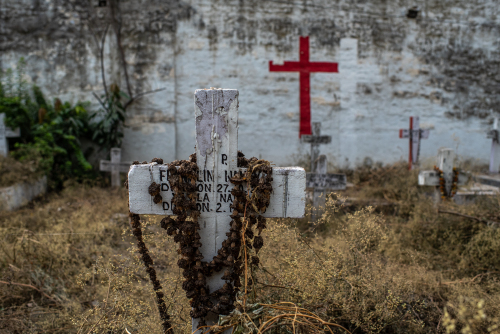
{"points": [[69, 264]]}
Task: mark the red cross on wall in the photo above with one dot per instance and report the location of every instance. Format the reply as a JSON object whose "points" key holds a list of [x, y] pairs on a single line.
{"points": [[304, 66]]}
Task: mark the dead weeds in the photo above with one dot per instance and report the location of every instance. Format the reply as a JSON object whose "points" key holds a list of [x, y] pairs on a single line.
{"points": [[69, 264]]}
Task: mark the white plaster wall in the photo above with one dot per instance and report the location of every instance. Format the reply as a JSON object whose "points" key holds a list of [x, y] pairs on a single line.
{"points": [[390, 68]]}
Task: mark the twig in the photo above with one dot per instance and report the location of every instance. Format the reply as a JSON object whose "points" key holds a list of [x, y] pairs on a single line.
{"points": [[466, 216], [304, 241], [32, 287], [118, 27], [278, 286], [98, 99], [138, 96], [102, 61]]}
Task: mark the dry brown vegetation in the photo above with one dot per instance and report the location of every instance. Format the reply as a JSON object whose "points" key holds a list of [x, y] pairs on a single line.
{"points": [[69, 265]]}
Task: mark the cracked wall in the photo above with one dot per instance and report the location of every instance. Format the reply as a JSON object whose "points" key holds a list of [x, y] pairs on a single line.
{"points": [[442, 66]]}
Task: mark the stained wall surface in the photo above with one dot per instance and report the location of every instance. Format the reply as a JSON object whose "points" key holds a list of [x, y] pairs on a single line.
{"points": [[442, 66]]}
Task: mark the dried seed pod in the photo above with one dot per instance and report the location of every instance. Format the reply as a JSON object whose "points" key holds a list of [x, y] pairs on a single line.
{"points": [[158, 161], [154, 189], [157, 199], [258, 242]]}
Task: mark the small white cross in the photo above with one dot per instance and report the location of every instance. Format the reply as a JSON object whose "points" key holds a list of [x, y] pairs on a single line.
{"points": [[5, 133], [446, 157], [414, 133], [495, 148], [315, 140], [115, 166], [321, 182], [216, 114]]}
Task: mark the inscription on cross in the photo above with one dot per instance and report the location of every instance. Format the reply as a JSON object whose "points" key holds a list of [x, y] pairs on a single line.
{"points": [[5, 133], [414, 133], [305, 68], [321, 182], [495, 148], [115, 166], [216, 115], [447, 176]]}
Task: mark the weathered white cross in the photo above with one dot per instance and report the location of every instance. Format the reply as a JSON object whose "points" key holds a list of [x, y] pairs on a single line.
{"points": [[315, 140], [495, 148], [216, 114], [414, 133], [445, 159], [115, 166], [5, 133], [321, 182]]}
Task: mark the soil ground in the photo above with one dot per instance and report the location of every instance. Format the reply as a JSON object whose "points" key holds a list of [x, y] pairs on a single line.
{"points": [[69, 264]]}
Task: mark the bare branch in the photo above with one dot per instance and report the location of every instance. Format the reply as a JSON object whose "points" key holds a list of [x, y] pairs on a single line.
{"points": [[102, 61], [467, 216], [100, 101], [138, 96]]}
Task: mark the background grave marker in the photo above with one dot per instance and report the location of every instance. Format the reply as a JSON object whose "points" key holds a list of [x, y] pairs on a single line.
{"points": [[320, 182], [414, 133], [5, 133], [495, 148], [216, 114], [445, 159], [315, 140], [305, 68], [115, 166]]}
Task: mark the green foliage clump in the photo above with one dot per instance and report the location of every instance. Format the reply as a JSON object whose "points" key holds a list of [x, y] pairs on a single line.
{"points": [[51, 132]]}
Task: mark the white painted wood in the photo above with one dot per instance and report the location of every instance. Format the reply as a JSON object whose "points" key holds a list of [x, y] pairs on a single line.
{"points": [[216, 115], [115, 166], [321, 182], [287, 201], [315, 140], [495, 148], [5, 133]]}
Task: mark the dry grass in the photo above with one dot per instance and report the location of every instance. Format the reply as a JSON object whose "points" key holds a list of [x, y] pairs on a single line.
{"points": [[73, 267], [13, 171]]}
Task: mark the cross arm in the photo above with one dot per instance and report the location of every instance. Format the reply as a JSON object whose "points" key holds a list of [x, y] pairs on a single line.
{"points": [[287, 200], [326, 181], [312, 139], [107, 166], [431, 178]]}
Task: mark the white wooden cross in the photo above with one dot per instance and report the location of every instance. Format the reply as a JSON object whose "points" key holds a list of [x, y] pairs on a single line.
{"points": [[320, 182], [414, 133], [5, 133], [216, 114], [445, 159], [315, 140], [115, 166], [495, 148]]}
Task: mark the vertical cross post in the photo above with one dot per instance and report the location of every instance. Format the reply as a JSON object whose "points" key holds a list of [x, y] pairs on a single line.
{"points": [[304, 67], [216, 116], [115, 166], [495, 148], [5, 133], [414, 133], [320, 182], [315, 140]]}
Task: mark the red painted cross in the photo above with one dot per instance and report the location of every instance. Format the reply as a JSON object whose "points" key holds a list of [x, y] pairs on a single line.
{"points": [[304, 66]]}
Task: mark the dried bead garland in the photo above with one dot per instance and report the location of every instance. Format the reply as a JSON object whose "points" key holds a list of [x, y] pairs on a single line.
{"points": [[442, 183], [247, 208], [135, 222]]}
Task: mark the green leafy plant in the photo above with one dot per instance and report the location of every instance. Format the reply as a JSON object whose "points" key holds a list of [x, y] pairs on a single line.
{"points": [[50, 132]]}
